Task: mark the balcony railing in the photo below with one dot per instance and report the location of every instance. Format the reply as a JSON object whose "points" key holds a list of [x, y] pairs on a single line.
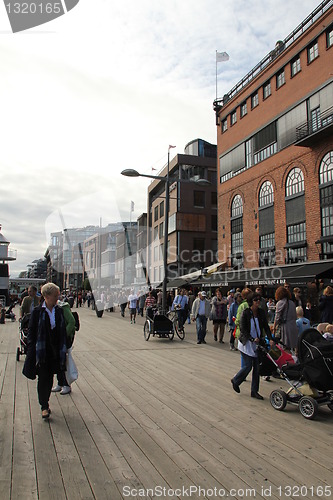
{"points": [[319, 124], [280, 47]]}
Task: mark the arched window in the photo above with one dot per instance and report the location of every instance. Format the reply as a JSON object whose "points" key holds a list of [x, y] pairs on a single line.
{"points": [[295, 182], [266, 194], [237, 232], [326, 169], [266, 225], [326, 205], [295, 217], [237, 206]]}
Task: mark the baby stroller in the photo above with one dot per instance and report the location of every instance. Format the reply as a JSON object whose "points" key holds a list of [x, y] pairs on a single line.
{"points": [[23, 331], [310, 380]]}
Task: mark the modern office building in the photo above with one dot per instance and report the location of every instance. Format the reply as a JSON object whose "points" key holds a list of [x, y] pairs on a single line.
{"points": [[192, 231], [275, 154]]}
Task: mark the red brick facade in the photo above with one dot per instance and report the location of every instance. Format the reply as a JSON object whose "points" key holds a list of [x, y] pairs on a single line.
{"points": [[308, 81]]}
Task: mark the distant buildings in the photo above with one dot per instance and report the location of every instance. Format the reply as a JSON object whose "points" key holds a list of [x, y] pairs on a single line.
{"points": [[6, 255]]}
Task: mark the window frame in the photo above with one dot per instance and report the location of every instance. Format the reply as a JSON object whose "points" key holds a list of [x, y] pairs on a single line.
{"points": [[312, 51], [329, 37], [294, 187], [237, 236], [294, 70], [280, 78], [267, 85], [233, 117], [196, 202], [243, 109], [254, 99], [266, 194]]}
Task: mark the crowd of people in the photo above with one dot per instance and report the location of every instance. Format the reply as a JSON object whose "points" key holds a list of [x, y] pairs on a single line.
{"points": [[248, 317]]}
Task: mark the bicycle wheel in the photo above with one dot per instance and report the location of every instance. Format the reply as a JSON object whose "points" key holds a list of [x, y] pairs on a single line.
{"points": [[146, 330], [180, 332]]}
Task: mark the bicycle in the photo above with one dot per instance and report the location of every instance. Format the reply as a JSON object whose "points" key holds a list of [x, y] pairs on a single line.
{"points": [[175, 321]]}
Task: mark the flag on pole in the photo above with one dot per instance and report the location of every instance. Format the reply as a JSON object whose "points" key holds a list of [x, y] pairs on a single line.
{"points": [[171, 147], [222, 57], [132, 206]]}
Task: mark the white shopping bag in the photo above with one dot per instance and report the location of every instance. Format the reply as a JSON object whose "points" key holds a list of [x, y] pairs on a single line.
{"points": [[71, 369]]}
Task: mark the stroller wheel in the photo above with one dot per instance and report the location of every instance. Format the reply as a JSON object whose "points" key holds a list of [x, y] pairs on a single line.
{"points": [[146, 330], [18, 352], [308, 407], [278, 399]]}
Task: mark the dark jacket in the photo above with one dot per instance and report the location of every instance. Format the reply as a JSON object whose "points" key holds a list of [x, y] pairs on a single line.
{"points": [[245, 326], [55, 342], [326, 308]]}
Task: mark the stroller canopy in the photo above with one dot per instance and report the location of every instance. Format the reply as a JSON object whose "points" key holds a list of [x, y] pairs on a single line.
{"points": [[315, 355]]}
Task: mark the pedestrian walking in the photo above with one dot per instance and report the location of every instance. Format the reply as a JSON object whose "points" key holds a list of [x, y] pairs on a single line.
{"points": [[200, 314]]}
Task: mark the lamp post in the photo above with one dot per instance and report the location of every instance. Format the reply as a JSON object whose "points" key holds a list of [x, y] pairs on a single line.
{"points": [[166, 180]]}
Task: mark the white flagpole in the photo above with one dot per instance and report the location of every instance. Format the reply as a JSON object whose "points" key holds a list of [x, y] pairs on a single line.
{"points": [[216, 72]]}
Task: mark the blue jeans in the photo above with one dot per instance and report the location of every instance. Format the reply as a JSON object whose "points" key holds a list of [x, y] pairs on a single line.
{"points": [[201, 323], [248, 362]]}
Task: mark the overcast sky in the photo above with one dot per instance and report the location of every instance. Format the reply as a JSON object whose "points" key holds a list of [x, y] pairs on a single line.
{"points": [[109, 86]]}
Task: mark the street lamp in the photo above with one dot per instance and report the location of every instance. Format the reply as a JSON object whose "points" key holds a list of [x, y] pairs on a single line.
{"points": [[203, 182]]}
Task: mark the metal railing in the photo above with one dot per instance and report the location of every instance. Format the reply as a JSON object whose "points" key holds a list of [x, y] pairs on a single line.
{"points": [[316, 124], [280, 47]]}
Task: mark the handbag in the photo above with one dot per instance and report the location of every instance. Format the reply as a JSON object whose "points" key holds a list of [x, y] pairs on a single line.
{"points": [[71, 369]]}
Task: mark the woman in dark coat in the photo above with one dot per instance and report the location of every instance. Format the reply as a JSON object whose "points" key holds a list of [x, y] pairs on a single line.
{"points": [[253, 328], [46, 345], [285, 318], [326, 306]]}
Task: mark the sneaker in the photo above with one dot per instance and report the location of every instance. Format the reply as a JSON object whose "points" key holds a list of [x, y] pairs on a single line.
{"points": [[65, 390], [232, 348], [56, 388], [134, 321], [46, 413], [267, 378]]}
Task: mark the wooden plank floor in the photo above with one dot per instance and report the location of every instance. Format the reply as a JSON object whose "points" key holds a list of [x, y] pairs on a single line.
{"points": [[154, 419]]}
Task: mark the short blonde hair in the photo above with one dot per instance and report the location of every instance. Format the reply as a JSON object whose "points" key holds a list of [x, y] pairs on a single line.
{"points": [[50, 289], [299, 311]]}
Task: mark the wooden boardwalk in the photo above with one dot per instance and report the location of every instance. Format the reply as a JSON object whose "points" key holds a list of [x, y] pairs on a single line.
{"points": [[156, 419]]}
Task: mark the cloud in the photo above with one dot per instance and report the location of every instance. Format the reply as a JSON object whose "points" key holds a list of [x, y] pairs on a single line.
{"points": [[110, 88]]}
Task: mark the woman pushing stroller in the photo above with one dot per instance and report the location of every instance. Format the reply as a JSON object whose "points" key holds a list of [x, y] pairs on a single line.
{"points": [[253, 329]]}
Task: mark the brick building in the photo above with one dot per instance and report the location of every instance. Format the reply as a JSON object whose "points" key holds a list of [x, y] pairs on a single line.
{"points": [[192, 228], [275, 154]]}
